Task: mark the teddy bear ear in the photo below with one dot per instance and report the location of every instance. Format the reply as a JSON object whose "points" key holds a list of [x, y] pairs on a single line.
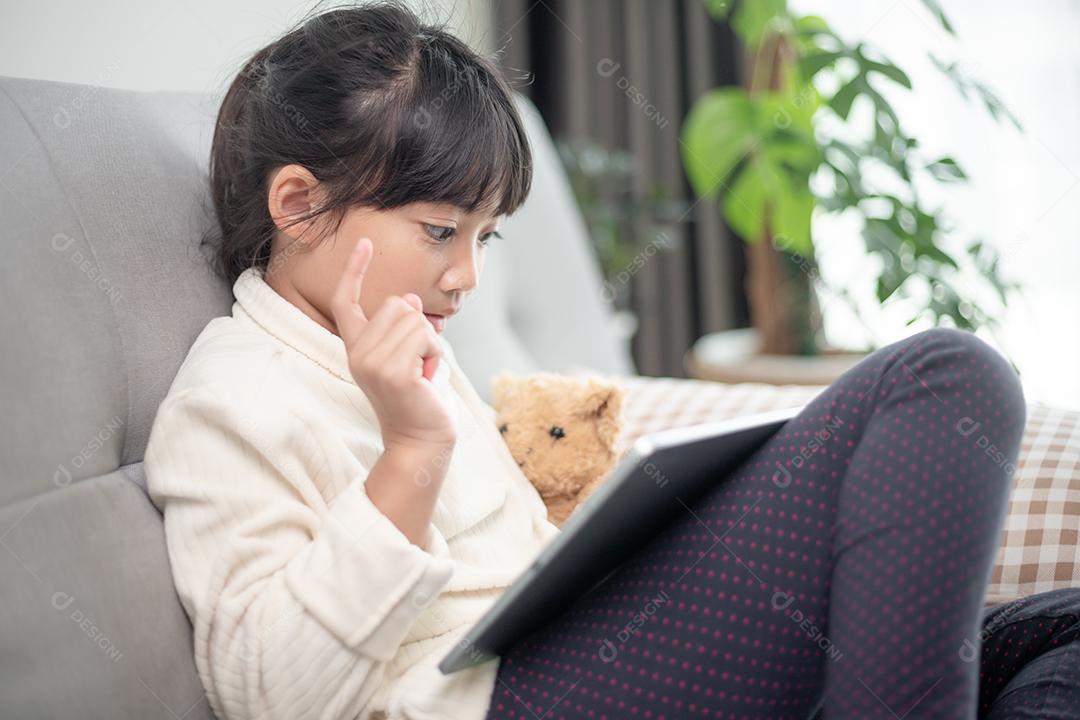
{"points": [[498, 388], [604, 405], [503, 387], [610, 422], [604, 399]]}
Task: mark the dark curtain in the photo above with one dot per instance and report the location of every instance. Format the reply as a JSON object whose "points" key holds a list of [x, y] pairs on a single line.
{"points": [[624, 73]]}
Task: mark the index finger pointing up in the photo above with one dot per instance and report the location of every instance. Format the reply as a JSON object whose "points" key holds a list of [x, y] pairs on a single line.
{"points": [[361, 257], [348, 314]]}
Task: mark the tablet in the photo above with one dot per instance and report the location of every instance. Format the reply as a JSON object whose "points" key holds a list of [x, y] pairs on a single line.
{"points": [[656, 480]]}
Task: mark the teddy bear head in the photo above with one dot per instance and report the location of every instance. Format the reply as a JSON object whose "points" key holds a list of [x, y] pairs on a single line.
{"points": [[562, 431]]}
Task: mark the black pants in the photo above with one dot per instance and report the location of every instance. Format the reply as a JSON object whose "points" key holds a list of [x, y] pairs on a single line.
{"points": [[1029, 664], [844, 563], [1029, 658]]}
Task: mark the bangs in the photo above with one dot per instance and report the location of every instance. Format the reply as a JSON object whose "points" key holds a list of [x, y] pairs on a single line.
{"points": [[382, 109], [457, 137]]}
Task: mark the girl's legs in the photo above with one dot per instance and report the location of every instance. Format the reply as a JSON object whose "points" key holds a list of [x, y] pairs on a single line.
{"points": [[846, 560]]}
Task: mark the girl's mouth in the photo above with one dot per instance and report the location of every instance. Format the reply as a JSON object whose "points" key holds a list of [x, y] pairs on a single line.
{"points": [[438, 321]]}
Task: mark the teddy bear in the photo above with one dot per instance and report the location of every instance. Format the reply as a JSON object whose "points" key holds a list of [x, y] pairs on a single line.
{"points": [[562, 430]]}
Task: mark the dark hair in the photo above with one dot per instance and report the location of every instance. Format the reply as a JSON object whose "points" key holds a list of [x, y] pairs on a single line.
{"points": [[381, 108]]}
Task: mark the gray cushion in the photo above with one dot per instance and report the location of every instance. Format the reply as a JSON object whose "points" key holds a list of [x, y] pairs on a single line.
{"points": [[92, 627]]}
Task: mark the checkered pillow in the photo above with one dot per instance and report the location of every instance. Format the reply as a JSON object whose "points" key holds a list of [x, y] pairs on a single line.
{"points": [[1040, 549]]}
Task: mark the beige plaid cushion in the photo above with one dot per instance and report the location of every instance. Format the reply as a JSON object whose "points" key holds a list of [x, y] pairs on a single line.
{"points": [[1040, 549]]}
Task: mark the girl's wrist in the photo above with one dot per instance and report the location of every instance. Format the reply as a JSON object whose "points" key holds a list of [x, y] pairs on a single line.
{"points": [[405, 483], [422, 462], [406, 444]]}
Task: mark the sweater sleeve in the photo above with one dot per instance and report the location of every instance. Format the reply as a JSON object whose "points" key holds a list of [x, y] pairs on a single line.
{"points": [[296, 606]]}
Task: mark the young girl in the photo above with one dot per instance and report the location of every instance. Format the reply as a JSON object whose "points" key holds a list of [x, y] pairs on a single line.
{"points": [[340, 508]]}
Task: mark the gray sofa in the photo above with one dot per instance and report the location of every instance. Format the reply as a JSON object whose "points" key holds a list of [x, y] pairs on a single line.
{"points": [[104, 288]]}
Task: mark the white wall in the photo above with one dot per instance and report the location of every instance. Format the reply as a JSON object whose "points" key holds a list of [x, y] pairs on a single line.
{"points": [[170, 44], [1025, 191]]}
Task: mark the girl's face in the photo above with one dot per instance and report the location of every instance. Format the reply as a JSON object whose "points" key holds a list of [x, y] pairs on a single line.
{"points": [[434, 250]]}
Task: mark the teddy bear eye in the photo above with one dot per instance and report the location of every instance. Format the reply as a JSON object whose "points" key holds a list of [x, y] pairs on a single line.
{"points": [[557, 432], [503, 428]]}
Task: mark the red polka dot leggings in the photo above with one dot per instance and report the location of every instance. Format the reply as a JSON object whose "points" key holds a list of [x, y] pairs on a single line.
{"points": [[840, 568]]}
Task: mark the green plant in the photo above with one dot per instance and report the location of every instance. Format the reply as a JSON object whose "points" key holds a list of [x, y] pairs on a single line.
{"points": [[623, 224], [780, 149]]}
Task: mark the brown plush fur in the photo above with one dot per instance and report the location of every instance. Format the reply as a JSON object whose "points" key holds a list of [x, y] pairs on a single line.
{"points": [[531, 411]]}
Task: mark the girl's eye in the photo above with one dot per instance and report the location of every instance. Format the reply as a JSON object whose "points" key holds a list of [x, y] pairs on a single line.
{"points": [[441, 232], [486, 237], [435, 230]]}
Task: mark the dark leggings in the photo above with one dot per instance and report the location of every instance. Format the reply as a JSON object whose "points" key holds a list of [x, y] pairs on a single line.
{"points": [[1030, 658], [842, 567]]}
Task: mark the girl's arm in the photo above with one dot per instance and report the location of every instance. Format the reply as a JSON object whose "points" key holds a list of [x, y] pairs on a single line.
{"points": [[296, 607], [404, 484]]}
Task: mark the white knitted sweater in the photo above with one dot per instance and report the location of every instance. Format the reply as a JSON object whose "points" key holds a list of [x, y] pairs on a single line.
{"points": [[306, 600]]}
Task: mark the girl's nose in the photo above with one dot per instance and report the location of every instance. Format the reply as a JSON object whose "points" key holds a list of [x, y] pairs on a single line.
{"points": [[464, 272]]}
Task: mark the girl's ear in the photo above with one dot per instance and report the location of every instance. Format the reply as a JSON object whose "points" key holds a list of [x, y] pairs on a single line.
{"points": [[293, 192]]}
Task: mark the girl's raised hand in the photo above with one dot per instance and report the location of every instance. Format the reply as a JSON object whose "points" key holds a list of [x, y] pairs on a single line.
{"points": [[392, 357]]}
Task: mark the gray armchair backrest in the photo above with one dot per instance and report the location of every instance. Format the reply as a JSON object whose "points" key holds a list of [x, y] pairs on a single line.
{"points": [[103, 198]]}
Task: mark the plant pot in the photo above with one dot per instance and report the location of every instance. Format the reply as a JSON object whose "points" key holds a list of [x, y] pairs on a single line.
{"points": [[733, 356]]}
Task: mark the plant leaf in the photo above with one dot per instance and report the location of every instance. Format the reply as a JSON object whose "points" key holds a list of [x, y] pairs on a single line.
{"points": [[789, 117], [791, 216], [717, 135], [813, 25], [888, 70], [994, 105], [845, 96], [754, 18], [812, 64], [719, 9], [947, 169], [937, 254], [744, 204], [936, 10], [882, 105], [883, 66]]}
